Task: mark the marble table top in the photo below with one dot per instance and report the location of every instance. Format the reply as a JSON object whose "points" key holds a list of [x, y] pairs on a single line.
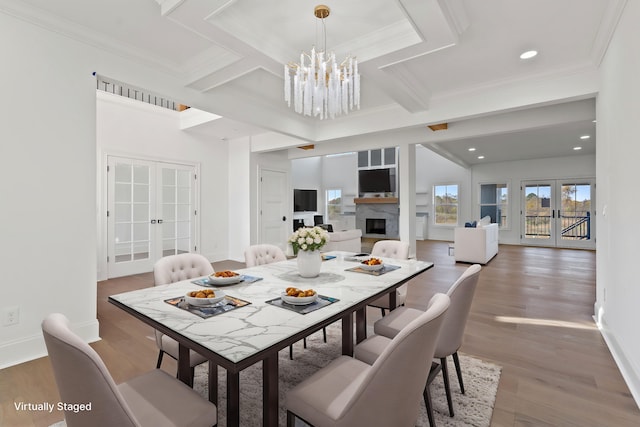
{"points": [[245, 331]]}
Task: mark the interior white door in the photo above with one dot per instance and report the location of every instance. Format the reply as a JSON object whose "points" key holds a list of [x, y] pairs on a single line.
{"points": [[131, 206], [274, 218], [176, 198], [151, 213], [559, 213]]}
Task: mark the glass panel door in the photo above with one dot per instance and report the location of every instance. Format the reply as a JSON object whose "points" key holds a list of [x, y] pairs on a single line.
{"points": [[131, 206], [575, 214], [151, 213], [177, 200], [538, 208], [558, 213]]}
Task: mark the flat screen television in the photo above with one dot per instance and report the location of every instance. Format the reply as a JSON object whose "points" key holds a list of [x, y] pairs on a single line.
{"points": [[305, 200], [374, 180]]}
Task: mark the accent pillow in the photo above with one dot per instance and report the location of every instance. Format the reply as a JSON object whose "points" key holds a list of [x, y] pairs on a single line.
{"points": [[484, 221], [471, 224]]}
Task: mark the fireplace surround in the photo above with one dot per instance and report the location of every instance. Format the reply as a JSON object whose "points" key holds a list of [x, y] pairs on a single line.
{"points": [[378, 217]]}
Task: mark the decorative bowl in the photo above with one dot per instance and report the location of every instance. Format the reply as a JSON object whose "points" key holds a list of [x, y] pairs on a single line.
{"points": [[219, 296]]}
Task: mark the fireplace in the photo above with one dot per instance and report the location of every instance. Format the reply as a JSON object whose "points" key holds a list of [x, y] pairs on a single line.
{"points": [[376, 226], [378, 217]]}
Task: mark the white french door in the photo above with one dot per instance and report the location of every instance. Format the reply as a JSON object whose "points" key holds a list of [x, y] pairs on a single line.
{"points": [[559, 213], [151, 213]]}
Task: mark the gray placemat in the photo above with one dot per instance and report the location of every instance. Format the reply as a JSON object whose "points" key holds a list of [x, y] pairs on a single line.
{"points": [[321, 301], [227, 304]]}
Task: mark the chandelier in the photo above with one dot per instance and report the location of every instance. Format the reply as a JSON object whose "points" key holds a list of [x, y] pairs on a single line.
{"points": [[319, 85]]}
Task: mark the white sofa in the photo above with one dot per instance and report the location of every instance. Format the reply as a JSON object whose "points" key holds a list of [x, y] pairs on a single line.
{"points": [[476, 244], [348, 240]]}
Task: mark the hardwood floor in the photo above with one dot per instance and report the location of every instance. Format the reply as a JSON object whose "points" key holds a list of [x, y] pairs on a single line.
{"points": [[532, 314]]}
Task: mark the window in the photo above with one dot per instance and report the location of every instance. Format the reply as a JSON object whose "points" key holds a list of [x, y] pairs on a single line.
{"points": [[334, 204], [445, 204], [494, 202]]}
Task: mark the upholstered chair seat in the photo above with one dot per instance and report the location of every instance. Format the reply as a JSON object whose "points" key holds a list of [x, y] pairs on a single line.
{"points": [[352, 393], [461, 294], [152, 399]]}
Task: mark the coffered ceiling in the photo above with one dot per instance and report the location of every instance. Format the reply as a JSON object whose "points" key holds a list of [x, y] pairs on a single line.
{"points": [[422, 62]]}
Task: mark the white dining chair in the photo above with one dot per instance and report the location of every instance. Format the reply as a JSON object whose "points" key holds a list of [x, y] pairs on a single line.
{"points": [[352, 393], [263, 254], [461, 294], [171, 269], [390, 249], [151, 399]]}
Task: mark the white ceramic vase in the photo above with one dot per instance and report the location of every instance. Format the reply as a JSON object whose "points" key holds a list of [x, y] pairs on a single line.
{"points": [[309, 263]]}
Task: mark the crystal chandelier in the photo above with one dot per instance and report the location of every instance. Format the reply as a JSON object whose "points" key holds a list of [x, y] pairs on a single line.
{"points": [[319, 85]]}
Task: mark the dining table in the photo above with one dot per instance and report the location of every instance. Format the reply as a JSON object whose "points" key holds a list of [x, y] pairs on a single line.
{"points": [[254, 323]]}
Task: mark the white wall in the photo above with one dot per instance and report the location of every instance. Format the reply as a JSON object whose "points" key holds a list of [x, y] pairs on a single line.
{"points": [[433, 169], [134, 129], [239, 206], [618, 293], [47, 185], [48, 158], [513, 173], [341, 172]]}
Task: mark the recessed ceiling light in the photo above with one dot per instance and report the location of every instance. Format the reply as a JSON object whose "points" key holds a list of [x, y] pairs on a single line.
{"points": [[472, 149], [585, 137], [528, 54], [577, 148], [481, 157]]}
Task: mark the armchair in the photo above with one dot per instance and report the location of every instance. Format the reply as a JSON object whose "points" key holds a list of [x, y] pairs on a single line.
{"points": [[476, 244]]}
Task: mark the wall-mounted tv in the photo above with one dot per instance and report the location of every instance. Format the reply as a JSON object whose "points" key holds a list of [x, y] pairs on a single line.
{"points": [[305, 200], [374, 180]]}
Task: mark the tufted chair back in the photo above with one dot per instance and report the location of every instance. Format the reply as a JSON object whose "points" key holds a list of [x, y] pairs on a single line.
{"points": [[391, 249], [171, 269], [263, 254], [175, 268]]}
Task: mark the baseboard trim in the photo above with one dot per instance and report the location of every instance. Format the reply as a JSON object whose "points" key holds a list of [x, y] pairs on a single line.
{"points": [[630, 376], [32, 347]]}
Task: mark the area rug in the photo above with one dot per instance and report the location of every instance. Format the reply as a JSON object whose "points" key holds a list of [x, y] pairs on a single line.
{"points": [[474, 408]]}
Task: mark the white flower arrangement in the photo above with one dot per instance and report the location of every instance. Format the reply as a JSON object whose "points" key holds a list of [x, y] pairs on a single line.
{"points": [[308, 239]]}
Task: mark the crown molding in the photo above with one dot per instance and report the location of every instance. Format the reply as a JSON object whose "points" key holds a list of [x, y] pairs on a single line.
{"points": [[86, 36], [607, 29]]}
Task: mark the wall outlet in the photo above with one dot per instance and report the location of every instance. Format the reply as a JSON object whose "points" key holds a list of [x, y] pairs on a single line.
{"points": [[10, 316]]}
